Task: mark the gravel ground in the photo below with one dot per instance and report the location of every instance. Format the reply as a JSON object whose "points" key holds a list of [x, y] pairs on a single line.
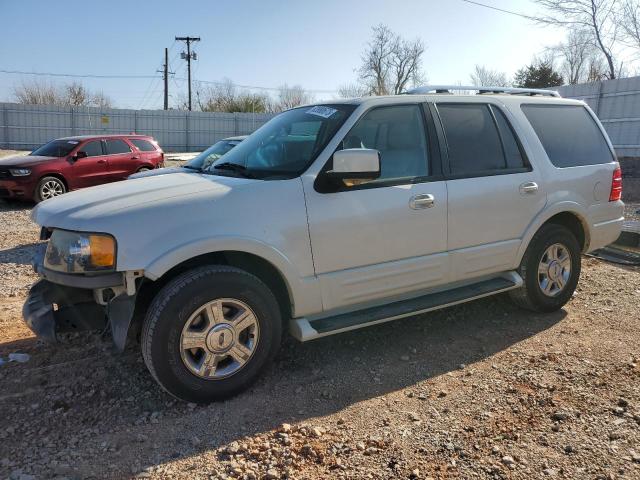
{"points": [[482, 390]]}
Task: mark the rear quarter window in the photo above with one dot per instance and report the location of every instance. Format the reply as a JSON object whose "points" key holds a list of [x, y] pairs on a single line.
{"points": [[143, 145], [569, 135]]}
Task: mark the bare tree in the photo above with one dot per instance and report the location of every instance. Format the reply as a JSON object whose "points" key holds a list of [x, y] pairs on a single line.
{"points": [[37, 93], [352, 90], [575, 55], [484, 77], [100, 100], [598, 17], [226, 97], [629, 20], [70, 94], [290, 97], [390, 63]]}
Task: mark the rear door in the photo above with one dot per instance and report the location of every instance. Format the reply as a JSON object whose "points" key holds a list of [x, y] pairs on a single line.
{"points": [[150, 156], [123, 161], [494, 193], [91, 170]]}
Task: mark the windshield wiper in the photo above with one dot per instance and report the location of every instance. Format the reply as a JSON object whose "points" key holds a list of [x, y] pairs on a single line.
{"points": [[234, 167], [191, 167]]}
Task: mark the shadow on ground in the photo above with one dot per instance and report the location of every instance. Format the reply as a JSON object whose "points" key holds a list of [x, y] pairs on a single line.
{"points": [[113, 397], [15, 206], [20, 255]]}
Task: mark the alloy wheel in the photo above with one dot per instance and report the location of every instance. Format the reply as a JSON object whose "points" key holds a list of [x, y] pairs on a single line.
{"points": [[219, 338]]}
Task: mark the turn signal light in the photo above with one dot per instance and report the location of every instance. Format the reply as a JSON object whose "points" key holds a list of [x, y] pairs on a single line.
{"points": [[103, 250]]}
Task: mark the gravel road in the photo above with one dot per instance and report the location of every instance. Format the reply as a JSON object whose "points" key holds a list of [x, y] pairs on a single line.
{"points": [[482, 390]]}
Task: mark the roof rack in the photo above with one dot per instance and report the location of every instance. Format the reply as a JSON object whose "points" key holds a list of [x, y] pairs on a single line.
{"points": [[482, 90]]}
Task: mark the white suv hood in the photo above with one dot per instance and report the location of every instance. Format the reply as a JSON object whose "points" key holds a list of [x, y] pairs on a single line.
{"points": [[86, 209]]}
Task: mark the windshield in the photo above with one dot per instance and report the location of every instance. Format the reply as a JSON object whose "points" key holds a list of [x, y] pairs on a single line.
{"points": [[286, 145], [56, 148], [211, 154]]}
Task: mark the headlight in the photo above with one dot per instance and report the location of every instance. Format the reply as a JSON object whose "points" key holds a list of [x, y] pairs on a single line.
{"points": [[20, 172], [75, 252]]}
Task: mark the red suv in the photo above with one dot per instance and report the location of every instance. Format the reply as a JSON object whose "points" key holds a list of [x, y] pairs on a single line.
{"points": [[77, 162]]}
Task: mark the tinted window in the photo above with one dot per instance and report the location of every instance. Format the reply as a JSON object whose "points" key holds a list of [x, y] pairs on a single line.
{"points": [[93, 148], [117, 146], [472, 139], [569, 135], [143, 145], [511, 148], [56, 148], [398, 134]]}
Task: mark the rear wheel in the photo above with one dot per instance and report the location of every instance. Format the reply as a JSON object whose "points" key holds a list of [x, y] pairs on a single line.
{"points": [[49, 187], [550, 269], [209, 333], [143, 169]]}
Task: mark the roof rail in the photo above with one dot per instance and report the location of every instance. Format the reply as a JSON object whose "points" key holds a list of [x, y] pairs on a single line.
{"points": [[482, 90]]}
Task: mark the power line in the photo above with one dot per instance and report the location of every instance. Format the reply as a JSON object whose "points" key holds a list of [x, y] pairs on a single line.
{"points": [[154, 77], [74, 75], [510, 12]]}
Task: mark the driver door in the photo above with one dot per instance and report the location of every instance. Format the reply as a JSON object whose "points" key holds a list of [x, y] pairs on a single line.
{"points": [[388, 237]]}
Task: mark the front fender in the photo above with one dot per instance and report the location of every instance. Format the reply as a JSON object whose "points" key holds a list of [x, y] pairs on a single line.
{"points": [[552, 210], [303, 292]]}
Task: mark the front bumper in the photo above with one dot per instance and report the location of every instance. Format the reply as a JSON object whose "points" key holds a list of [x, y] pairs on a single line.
{"points": [[51, 309], [61, 302], [17, 189]]}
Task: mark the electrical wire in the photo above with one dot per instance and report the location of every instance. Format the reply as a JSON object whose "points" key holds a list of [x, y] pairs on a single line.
{"points": [[510, 12]]}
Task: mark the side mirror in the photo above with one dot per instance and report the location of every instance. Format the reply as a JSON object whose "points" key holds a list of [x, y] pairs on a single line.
{"points": [[355, 164], [81, 154]]}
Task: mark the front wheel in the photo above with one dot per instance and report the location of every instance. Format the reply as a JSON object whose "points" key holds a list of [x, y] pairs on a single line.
{"points": [[209, 333], [49, 187], [550, 269]]}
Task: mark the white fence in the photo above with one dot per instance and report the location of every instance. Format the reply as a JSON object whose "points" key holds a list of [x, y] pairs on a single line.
{"points": [[617, 104], [24, 127]]}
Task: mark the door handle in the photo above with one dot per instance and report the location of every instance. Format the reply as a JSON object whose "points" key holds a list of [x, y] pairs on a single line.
{"points": [[423, 200], [102, 161], [135, 157], [528, 188]]}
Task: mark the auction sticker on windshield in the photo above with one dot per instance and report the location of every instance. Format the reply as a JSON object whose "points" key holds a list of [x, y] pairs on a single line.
{"points": [[321, 111]]}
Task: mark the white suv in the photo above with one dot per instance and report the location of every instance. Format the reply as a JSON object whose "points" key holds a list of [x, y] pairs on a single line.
{"points": [[330, 218]]}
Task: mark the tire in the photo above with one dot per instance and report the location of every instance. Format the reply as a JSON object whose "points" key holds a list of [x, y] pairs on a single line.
{"points": [[532, 295], [173, 321], [49, 187], [143, 169]]}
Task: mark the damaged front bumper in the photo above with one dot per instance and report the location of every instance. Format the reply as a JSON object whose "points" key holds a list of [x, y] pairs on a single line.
{"points": [[60, 303]]}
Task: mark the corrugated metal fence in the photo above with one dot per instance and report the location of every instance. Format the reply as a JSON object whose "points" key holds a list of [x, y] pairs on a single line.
{"points": [[617, 104], [28, 126]]}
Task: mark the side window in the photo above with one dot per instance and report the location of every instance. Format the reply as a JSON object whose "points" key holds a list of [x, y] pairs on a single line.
{"points": [[398, 133], [569, 135], [512, 151], [143, 145], [473, 141], [93, 148], [115, 146]]}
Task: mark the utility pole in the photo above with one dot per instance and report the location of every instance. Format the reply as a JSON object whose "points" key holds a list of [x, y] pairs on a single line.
{"points": [[165, 76], [189, 56]]}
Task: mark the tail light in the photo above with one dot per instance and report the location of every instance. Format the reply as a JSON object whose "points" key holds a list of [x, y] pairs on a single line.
{"points": [[616, 186]]}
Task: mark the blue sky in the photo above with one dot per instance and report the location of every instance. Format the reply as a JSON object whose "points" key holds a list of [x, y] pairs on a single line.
{"points": [[316, 44]]}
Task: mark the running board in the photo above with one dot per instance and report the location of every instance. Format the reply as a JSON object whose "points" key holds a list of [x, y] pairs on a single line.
{"points": [[304, 330]]}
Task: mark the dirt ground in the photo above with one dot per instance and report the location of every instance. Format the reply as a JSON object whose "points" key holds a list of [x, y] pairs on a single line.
{"points": [[482, 390]]}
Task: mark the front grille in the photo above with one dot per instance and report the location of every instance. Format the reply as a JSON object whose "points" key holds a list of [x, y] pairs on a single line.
{"points": [[4, 173]]}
